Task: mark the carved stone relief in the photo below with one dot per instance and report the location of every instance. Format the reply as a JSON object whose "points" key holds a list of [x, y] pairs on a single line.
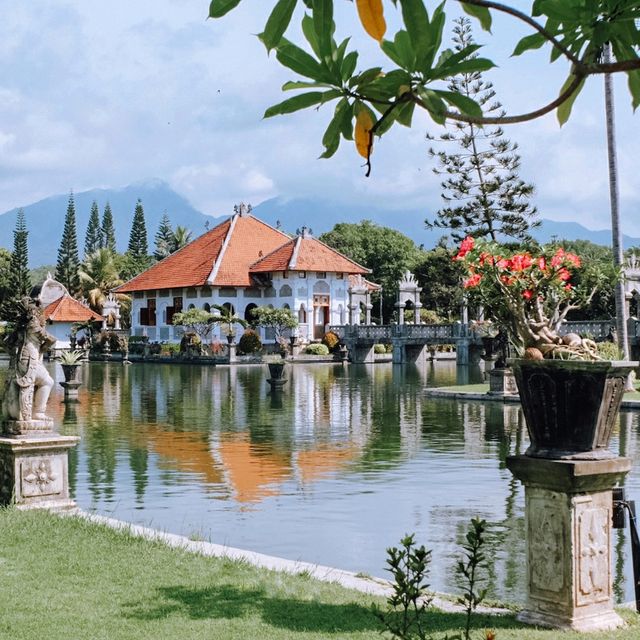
{"points": [[593, 555], [41, 477], [547, 546]]}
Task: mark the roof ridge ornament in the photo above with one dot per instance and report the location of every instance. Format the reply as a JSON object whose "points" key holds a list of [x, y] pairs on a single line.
{"points": [[242, 209]]}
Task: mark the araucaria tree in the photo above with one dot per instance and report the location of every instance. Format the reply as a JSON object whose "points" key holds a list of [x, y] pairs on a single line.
{"points": [[19, 281], [138, 248], [93, 237], [483, 192], [108, 230], [164, 238], [68, 261]]}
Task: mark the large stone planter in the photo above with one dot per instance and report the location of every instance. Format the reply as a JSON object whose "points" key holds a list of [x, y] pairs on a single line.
{"points": [[71, 372], [276, 371], [570, 406]]}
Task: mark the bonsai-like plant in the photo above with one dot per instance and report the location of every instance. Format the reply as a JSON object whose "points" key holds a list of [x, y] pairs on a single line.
{"points": [[227, 317], [279, 319], [531, 293], [196, 321]]}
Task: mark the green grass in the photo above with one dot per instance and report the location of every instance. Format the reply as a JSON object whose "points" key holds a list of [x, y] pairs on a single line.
{"points": [[466, 388], [67, 579]]}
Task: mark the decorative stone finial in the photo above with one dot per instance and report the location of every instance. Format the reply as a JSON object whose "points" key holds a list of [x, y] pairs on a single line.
{"points": [[242, 209]]}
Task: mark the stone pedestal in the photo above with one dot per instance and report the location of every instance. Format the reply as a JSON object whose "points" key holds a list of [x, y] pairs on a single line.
{"points": [[502, 382], [70, 391], [232, 346], [568, 507], [34, 471]]}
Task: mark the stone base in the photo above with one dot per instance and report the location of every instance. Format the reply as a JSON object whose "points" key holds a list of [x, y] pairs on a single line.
{"points": [[568, 515], [277, 383], [34, 471], [27, 427], [502, 382], [71, 390]]}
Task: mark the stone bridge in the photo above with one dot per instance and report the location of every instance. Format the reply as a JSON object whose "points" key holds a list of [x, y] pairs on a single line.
{"points": [[411, 342]]}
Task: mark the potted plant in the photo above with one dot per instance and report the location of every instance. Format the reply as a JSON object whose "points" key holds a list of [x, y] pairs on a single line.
{"points": [[570, 396], [70, 362]]}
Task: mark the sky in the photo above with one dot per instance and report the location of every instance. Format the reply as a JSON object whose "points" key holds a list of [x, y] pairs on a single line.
{"points": [[104, 94]]}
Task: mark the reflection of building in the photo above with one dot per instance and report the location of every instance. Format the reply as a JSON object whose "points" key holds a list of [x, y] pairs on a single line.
{"points": [[241, 264], [62, 311]]}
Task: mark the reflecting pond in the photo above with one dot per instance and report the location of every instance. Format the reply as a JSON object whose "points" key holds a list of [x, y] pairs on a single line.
{"points": [[333, 470]]}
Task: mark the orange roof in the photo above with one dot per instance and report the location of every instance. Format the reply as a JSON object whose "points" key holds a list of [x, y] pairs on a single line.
{"points": [[220, 257], [68, 309], [305, 253]]}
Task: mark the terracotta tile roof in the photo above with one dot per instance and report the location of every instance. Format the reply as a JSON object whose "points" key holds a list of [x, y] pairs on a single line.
{"points": [[226, 252], [305, 253], [68, 309]]}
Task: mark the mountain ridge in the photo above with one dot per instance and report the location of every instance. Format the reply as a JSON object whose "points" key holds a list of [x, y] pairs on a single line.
{"points": [[45, 218]]}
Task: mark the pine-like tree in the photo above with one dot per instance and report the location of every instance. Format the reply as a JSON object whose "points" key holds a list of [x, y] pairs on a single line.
{"points": [[93, 238], [68, 261], [484, 194], [108, 230], [138, 247], [164, 238], [19, 281]]}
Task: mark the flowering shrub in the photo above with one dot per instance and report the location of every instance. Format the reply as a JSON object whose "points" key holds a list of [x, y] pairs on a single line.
{"points": [[531, 294]]}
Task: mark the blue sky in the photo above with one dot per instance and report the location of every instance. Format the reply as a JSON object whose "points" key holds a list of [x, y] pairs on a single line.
{"points": [[97, 94]]}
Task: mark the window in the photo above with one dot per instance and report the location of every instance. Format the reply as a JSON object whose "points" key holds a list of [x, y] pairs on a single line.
{"points": [[302, 274], [321, 274], [339, 276], [148, 314], [285, 274], [176, 308]]}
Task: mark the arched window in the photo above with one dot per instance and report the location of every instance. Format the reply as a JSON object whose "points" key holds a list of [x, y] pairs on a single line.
{"points": [[286, 306], [192, 306], [321, 287], [229, 307], [248, 315], [285, 291], [206, 307], [302, 315]]}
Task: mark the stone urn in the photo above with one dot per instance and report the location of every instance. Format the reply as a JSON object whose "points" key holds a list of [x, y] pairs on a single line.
{"points": [[276, 370], [71, 372], [570, 406]]}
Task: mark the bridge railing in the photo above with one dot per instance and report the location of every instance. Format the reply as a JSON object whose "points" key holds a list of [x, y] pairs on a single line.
{"points": [[596, 329]]}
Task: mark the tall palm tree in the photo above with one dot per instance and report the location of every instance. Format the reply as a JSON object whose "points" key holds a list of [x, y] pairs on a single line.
{"points": [[616, 228], [98, 277]]}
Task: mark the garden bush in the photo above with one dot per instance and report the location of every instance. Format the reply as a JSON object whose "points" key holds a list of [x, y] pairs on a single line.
{"points": [[609, 351], [317, 349], [331, 340], [249, 342], [379, 348]]}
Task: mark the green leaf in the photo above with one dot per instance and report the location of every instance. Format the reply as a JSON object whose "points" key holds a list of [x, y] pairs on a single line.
{"points": [[349, 65], [434, 104], [323, 25], [277, 23], [331, 138], [564, 110], [309, 32], [303, 101], [416, 20], [366, 77], [534, 41], [465, 104], [294, 58], [634, 87], [219, 8], [480, 13], [404, 113], [298, 84]]}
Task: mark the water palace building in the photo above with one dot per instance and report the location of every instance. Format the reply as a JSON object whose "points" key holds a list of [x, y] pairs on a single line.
{"points": [[244, 263]]}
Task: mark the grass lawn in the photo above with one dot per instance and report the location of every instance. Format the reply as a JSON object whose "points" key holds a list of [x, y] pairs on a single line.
{"points": [[68, 579]]}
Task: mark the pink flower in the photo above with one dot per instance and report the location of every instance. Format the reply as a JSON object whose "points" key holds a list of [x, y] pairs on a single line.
{"points": [[472, 281], [573, 259], [503, 264], [557, 259], [563, 274], [568, 287], [527, 294], [466, 246], [542, 264], [521, 261]]}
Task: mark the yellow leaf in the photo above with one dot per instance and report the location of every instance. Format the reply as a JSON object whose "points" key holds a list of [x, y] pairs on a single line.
{"points": [[362, 134], [371, 15]]}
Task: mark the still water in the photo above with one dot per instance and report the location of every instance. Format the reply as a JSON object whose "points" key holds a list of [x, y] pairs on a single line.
{"points": [[333, 470]]}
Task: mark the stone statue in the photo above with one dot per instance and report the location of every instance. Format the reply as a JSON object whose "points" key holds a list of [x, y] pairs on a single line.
{"points": [[28, 383]]}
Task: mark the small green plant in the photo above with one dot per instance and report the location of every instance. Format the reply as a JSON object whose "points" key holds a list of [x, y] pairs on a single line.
{"points": [[405, 617], [609, 351], [331, 340], [70, 357], [250, 342], [317, 349], [470, 571]]}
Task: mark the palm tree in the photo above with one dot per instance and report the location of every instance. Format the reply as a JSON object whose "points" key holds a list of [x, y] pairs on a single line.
{"points": [[616, 229], [98, 277], [226, 316], [181, 238]]}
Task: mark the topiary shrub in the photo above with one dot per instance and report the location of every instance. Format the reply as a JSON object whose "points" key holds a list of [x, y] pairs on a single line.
{"points": [[249, 342], [379, 348], [317, 349], [331, 340]]}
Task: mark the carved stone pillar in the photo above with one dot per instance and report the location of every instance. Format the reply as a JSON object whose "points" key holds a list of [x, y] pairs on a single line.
{"points": [[368, 308], [568, 505], [34, 471]]}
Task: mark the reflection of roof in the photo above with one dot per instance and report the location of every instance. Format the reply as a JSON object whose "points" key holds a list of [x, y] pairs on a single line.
{"points": [[305, 253], [253, 471], [68, 309], [314, 464], [219, 257]]}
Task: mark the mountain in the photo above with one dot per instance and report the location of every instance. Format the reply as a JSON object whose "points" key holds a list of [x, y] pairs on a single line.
{"points": [[321, 216], [45, 219]]}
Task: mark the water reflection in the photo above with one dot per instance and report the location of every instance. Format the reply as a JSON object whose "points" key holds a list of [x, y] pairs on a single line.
{"points": [[333, 469]]}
